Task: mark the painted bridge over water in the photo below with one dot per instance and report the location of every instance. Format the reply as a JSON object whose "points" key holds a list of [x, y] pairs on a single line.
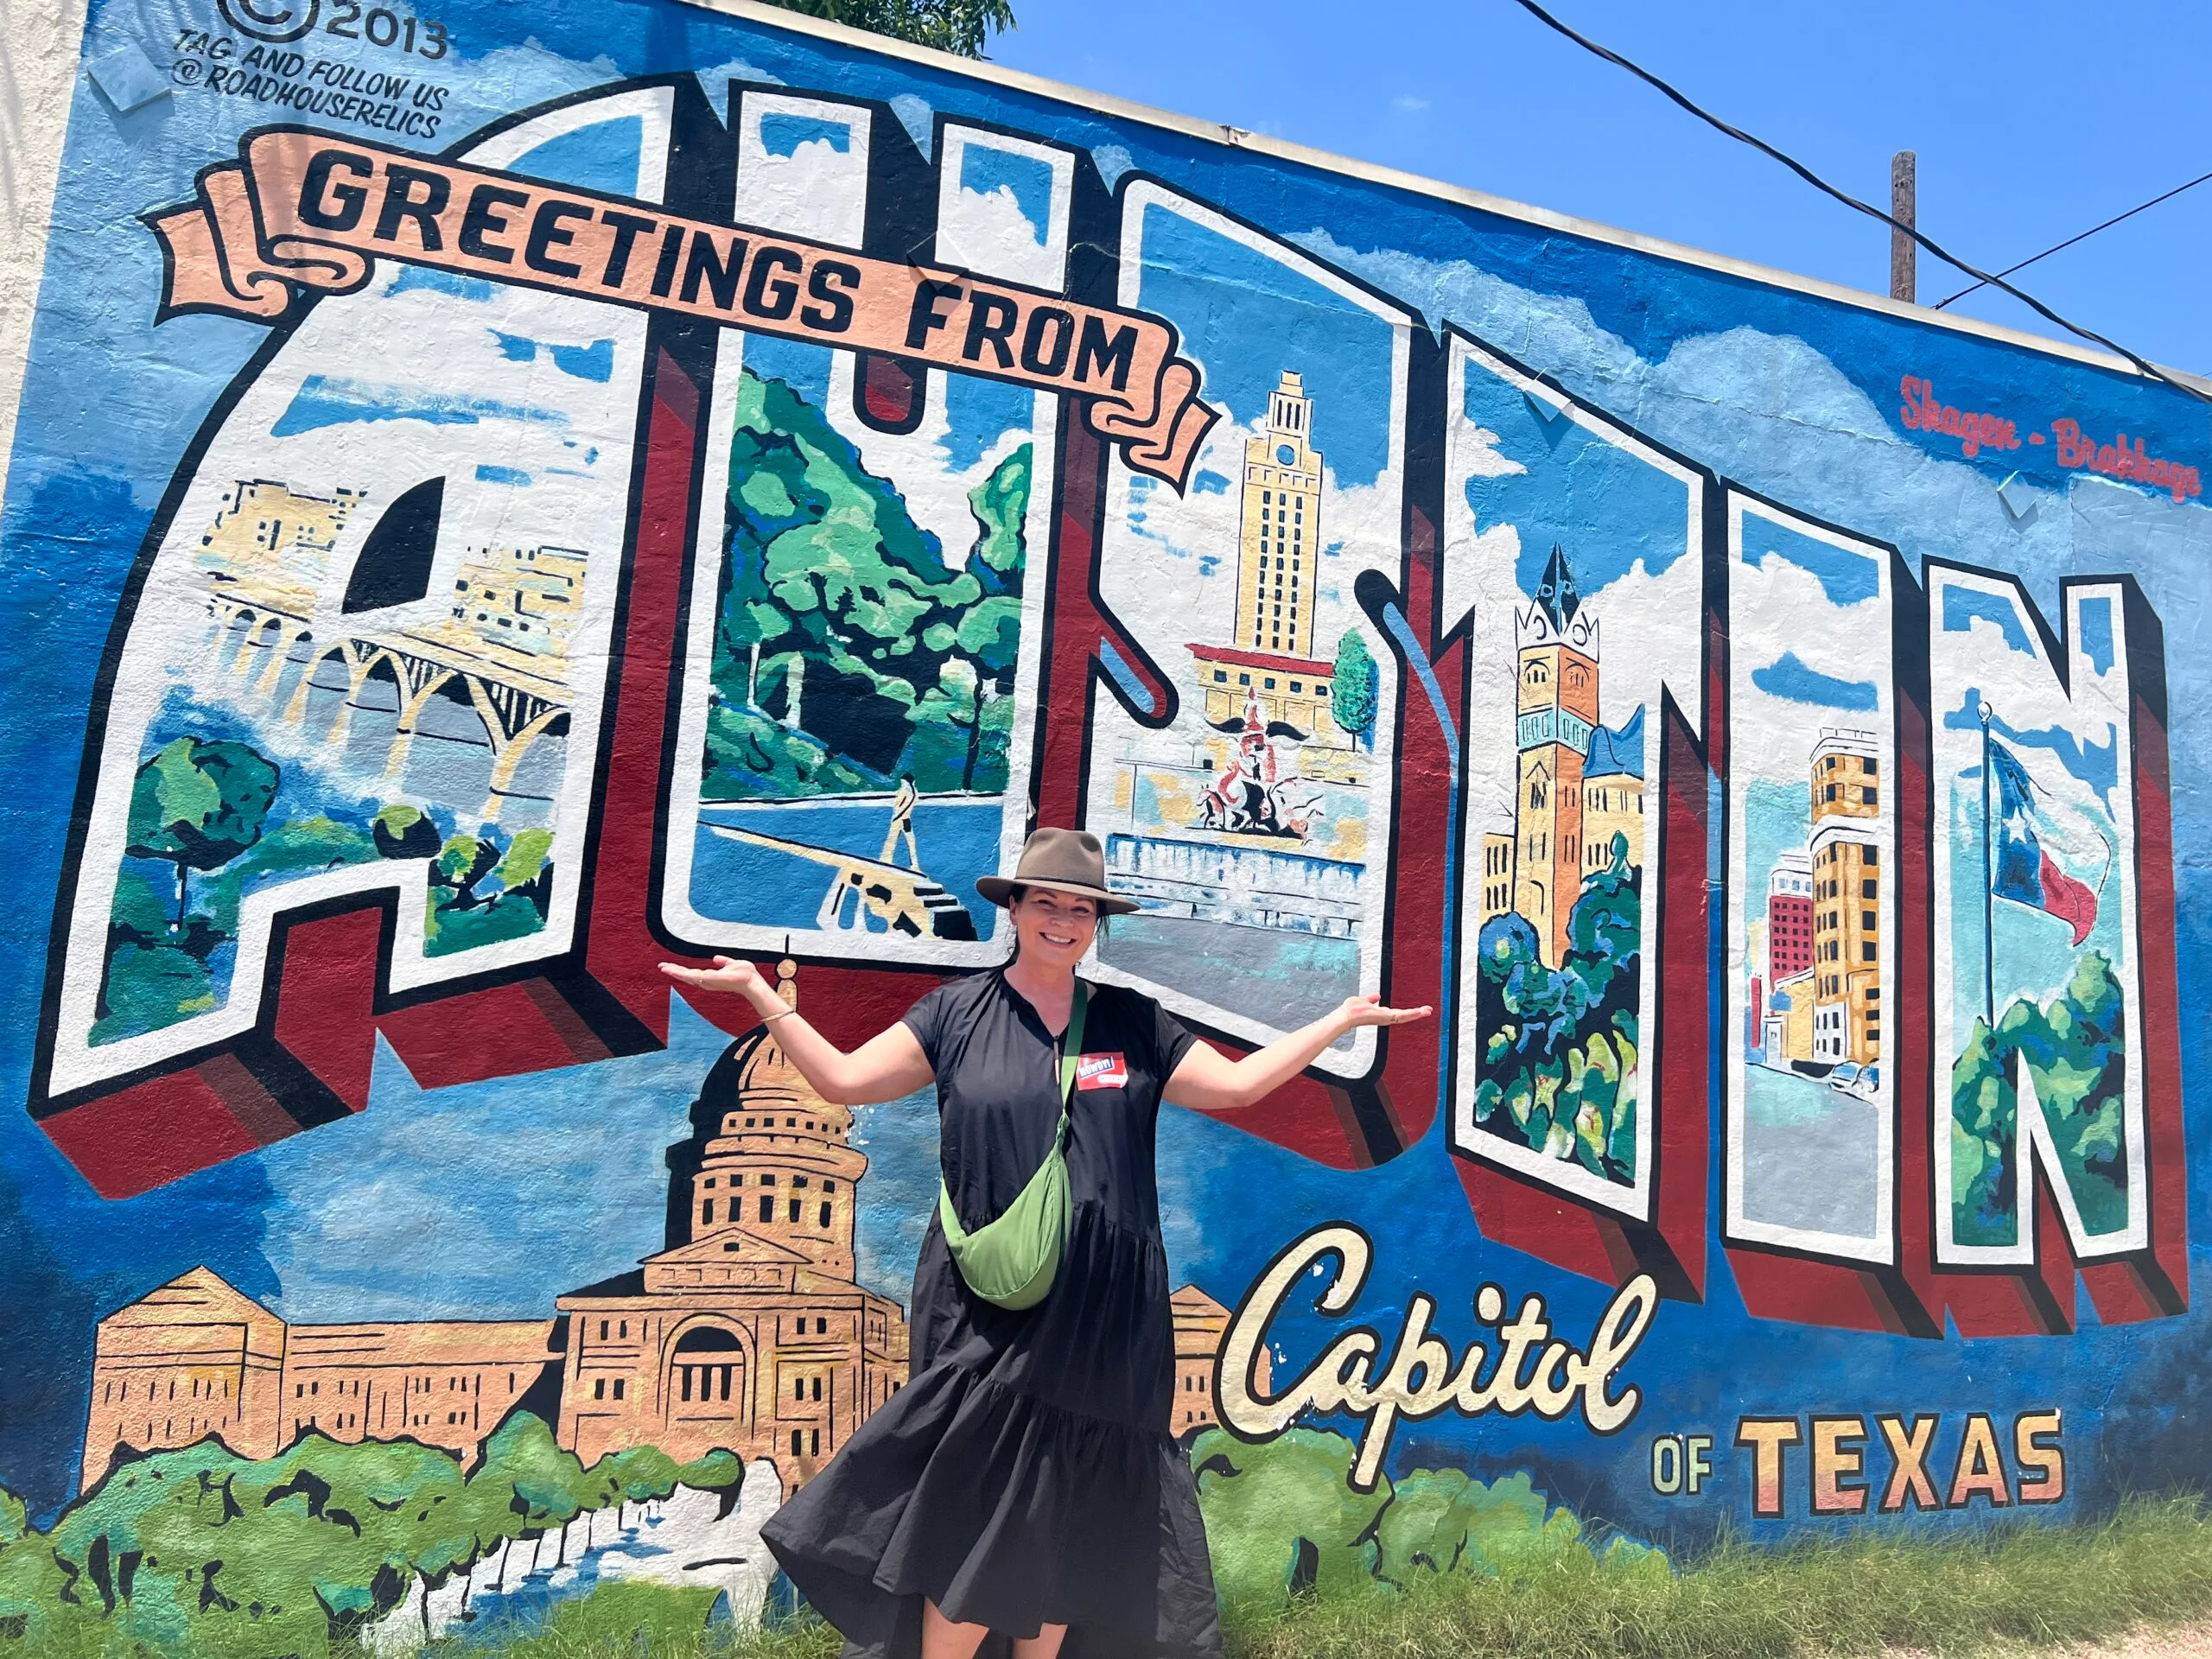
{"points": [[256, 646]]}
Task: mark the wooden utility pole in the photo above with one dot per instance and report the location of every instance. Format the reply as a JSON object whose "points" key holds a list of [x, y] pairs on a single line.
{"points": [[1904, 251]]}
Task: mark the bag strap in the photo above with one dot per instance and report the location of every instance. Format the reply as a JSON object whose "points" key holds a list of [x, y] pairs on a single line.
{"points": [[1071, 1053]]}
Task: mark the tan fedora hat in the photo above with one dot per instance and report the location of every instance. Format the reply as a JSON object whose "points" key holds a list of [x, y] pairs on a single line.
{"points": [[1066, 861]]}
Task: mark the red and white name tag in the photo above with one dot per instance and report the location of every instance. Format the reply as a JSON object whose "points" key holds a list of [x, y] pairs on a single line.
{"points": [[1102, 1071]]}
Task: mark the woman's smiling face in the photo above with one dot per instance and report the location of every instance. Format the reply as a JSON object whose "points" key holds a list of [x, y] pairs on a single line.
{"points": [[1053, 929]]}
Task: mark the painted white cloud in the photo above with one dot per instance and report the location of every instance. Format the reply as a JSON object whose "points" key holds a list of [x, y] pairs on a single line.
{"points": [[1772, 412], [1790, 610], [799, 189], [715, 81], [988, 230], [514, 78]]}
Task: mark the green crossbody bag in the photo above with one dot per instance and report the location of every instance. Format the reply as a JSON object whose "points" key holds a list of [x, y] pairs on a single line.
{"points": [[1012, 1259]]}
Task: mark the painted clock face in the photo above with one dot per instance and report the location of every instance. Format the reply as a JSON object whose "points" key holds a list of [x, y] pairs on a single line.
{"points": [[1285, 456]]}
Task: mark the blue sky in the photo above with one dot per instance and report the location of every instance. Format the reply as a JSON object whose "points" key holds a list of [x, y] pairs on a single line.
{"points": [[1481, 95]]}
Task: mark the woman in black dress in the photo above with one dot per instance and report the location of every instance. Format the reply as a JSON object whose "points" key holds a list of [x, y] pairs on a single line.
{"points": [[1025, 1481]]}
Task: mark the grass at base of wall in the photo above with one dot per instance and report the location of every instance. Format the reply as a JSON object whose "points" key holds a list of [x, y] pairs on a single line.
{"points": [[2151, 1563], [634, 1619], [2021, 1586]]}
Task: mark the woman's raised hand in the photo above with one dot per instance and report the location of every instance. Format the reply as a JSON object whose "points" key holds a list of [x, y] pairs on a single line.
{"points": [[1368, 1010], [727, 975]]}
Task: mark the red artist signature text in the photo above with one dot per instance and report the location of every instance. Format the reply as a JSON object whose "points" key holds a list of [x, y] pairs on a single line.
{"points": [[2117, 460], [1922, 411], [1975, 433]]}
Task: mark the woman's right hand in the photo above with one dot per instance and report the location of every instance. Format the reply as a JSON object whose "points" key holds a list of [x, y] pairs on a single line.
{"points": [[727, 975]]}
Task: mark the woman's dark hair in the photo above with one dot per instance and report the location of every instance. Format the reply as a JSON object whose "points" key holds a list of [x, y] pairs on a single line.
{"points": [[1013, 898]]}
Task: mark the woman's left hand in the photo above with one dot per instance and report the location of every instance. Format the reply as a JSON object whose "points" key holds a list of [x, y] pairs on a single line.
{"points": [[1368, 1010]]}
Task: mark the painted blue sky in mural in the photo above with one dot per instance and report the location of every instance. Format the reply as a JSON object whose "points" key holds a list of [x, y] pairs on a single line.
{"points": [[2096, 634], [326, 400], [1027, 181], [2092, 761], [782, 133], [407, 278], [1788, 677], [591, 362], [603, 155], [799, 363], [1963, 606], [1564, 484], [980, 412], [1246, 317], [1847, 577]]}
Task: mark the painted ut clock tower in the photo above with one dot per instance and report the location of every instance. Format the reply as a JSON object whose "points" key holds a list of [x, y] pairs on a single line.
{"points": [[1557, 708], [1281, 529]]}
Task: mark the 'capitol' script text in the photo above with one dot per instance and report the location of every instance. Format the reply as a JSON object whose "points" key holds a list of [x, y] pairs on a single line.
{"points": [[1534, 1370]]}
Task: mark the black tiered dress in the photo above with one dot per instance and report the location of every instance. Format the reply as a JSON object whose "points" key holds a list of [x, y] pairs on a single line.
{"points": [[1026, 1474]]}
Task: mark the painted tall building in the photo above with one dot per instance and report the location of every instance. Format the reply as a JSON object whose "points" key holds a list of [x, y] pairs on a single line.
{"points": [[1280, 537], [1847, 812], [1556, 707], [1789, 915]]}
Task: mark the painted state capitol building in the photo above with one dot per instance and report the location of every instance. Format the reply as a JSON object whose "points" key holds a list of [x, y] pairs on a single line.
{"points": [[748, 1332]]}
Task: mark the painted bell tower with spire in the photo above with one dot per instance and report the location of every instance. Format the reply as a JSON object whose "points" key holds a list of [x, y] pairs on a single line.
{"points": [[1557, 710]]}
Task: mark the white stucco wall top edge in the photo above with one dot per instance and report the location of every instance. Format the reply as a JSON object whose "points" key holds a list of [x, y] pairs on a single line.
{"points": [[1239, 138]]}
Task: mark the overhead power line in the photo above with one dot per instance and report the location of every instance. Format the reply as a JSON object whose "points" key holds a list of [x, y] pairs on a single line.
{"points": [[2060, 247], [1983, 278]]}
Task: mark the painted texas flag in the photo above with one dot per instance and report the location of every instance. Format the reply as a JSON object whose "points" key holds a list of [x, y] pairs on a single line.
{"points": [[2026, 872]]}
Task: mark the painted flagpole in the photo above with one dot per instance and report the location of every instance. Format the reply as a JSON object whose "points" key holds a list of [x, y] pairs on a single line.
{"points": [[1988, 884]]}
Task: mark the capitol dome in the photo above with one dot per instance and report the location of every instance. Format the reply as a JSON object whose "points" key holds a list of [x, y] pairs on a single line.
{"points": [[767, 1155]]}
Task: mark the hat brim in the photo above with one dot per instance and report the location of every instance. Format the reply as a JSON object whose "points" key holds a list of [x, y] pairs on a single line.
{"points": [[999, 889]]}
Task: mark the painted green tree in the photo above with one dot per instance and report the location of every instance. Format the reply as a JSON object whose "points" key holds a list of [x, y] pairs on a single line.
{"points": [[404, 830], [1281, 1516], [202, 1551], [1558, 1063], [2075, 1048], [848, 653], [1353, 687], [1282, 1520], [197, 804], [207, 806], [481, 892]]}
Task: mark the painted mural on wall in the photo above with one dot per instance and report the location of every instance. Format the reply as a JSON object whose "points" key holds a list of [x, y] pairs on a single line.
{"points": [[491, 512]]}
